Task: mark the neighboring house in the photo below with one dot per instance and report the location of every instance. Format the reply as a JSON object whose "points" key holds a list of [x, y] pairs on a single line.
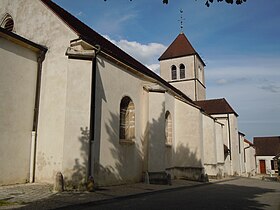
{"points": [[100, 113], [267, 148]]}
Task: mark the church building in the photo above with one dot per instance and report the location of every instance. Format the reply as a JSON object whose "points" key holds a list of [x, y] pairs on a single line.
{"points": [[75, 103]]}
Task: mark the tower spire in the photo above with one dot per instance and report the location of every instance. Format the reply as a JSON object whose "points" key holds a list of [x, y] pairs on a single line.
{"points": [[181, 20]]}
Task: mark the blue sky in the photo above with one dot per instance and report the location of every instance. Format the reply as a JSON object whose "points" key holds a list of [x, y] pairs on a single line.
{"points": [[240, 45]]}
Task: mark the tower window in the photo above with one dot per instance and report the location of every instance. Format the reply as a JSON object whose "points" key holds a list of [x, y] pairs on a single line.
{"points": [[8, 23], [182, 71], [173, 72]]}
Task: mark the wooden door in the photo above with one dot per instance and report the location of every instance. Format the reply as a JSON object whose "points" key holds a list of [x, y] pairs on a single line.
{"points": [[262, 167]]}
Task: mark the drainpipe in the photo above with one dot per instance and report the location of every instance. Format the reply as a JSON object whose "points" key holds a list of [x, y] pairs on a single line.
{"points": [[92, 111], [40, 59], [195, 79], [229, 137]]}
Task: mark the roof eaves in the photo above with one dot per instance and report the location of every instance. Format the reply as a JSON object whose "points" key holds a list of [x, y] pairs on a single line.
{"points": [[110, 48]]}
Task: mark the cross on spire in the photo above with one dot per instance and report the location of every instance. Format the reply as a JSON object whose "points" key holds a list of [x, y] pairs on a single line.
{"points": [[181, 20]]}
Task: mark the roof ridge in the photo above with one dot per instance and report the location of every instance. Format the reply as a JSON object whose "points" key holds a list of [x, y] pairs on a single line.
{"points": [[94, 38]]}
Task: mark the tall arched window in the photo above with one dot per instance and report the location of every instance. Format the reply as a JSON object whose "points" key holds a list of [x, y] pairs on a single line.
{"points": [[182, 71], [173, 72], [7, 22], [168, 128], [127, 119]]}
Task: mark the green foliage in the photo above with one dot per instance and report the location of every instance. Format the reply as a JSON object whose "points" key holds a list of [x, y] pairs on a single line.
{"points": [[207, 3]]}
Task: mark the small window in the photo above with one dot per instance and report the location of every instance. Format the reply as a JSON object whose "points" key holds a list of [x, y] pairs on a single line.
{"points": [[173, 72], [182, 71], [127, 120], [272, 165], [8, 23], [168, 129]]}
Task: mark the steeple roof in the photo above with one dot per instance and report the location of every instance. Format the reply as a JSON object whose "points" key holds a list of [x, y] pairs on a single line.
{"points": [[179, 47]]}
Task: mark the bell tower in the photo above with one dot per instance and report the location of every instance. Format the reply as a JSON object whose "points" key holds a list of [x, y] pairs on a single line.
{"points": [[181, 66]]}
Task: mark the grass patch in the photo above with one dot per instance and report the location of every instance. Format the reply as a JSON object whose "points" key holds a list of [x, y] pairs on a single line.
{"points": [[7, 203]]}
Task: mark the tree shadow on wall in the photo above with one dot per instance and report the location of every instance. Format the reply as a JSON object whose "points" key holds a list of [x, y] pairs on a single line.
{"points": [[127, 162], [79, 171], [121, 161]]}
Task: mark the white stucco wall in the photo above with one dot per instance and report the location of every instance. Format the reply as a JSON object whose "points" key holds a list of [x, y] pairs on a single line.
{"points": [[188, 135], [231, 140], [250, 160], [220, 129], [267, 160], [209, 145], [18, 78], [114, 162], [241, 154], [165, 67], [236, 167], [34, 21], [77, 122], [189, 86], [156, 132]]}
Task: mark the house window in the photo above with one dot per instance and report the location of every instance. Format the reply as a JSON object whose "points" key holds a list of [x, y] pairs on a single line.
{"points": [[272, 165], [182, 71], [127, 120], [173, 72], [7, 23], [168, 129]]}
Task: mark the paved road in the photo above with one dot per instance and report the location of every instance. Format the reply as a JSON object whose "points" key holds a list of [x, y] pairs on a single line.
{"points": [[241, 193]]}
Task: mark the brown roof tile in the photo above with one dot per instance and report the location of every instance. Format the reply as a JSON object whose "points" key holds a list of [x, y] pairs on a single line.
{"points": [[267, 146], [178, 48], [216, 106]]}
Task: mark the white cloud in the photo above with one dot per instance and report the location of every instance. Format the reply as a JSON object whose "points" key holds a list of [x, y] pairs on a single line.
{"points": [[271, 88], [147, 54], [154, 67], [222, 81]]}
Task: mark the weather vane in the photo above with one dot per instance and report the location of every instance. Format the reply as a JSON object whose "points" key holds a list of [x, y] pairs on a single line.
{"points": [[181, 20]]}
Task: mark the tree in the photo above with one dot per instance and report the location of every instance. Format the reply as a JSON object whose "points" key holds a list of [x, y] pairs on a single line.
{"points": [[207, 3]]}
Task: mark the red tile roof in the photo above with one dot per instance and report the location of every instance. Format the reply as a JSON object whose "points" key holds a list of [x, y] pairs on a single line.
{"points": [[267, 146], [216, 106], [179, 47], [93, 38]]}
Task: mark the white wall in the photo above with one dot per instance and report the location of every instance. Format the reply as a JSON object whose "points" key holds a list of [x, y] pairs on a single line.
{"points": [[18, 78], [77, 121], [267, 160], [34, 21], [250, 160], [116, 163], [156, 132], [189, 85], [209, 145], [188, 136]]}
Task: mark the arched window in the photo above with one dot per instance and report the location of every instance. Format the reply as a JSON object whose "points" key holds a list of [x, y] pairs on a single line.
{"points": [[7, 22], [182, 71], [173, 72], [168, 128], [127, 119]]}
